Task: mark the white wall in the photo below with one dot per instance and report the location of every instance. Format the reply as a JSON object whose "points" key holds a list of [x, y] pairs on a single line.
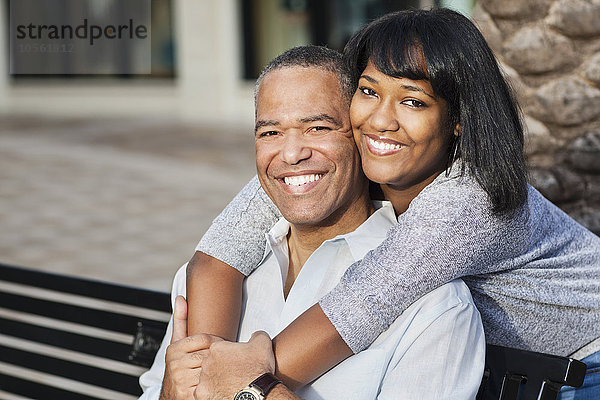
{"points": [[209, 59]]}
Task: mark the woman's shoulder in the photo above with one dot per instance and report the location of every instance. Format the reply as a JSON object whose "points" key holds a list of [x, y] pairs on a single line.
{"points": [[547, 217], [453, 192]]}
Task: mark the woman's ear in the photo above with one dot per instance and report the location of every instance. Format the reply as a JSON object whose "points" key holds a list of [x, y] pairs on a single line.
{"points": [[457, 130]]}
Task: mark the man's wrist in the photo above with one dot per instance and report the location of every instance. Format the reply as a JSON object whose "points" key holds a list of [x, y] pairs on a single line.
{"points": [[281, 392], [259, 388]]}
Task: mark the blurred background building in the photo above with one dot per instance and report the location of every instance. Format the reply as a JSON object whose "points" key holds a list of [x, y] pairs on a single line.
{"points": [[117, 177], [205, 57]]}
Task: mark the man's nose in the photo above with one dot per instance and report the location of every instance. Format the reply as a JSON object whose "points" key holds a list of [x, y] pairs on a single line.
{"points": [[383, 118], [294, 149]]}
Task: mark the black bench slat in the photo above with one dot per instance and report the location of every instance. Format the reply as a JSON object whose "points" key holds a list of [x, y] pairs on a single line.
{"points": [[527, 375], [66, 340], [36, 390], [72, 370], [88, 288], [68, 312], [86, 326]]}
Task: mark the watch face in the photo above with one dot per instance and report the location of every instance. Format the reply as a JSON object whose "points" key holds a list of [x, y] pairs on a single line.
{"points": [[244, 395]]}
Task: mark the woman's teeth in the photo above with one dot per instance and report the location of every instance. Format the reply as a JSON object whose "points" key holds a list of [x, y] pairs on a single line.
{"points": [[301, 179], [383, 145]]}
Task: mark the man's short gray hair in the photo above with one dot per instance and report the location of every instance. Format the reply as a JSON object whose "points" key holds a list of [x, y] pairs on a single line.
{"points": [[311, 57]]}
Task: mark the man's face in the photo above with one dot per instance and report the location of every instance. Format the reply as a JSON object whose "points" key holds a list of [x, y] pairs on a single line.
{"points": [[306, 158]]}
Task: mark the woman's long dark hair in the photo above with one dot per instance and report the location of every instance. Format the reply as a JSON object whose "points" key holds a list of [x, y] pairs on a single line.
{"points": [[463, 71]]}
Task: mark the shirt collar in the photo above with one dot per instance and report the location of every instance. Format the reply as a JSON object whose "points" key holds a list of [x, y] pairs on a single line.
{"points": [[371, 232], [360, 241]]}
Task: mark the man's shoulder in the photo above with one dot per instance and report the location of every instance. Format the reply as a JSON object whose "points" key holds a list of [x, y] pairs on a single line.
{"points": [[452, 293], [449, 300], [446, 297], [179, 282]]}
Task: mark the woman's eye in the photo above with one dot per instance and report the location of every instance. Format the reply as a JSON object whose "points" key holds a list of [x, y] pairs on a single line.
{"points": [[367, 91], [414, 103]]}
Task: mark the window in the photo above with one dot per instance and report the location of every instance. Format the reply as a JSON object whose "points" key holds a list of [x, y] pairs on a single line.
{"points": [[272, 26], [159, 60]]}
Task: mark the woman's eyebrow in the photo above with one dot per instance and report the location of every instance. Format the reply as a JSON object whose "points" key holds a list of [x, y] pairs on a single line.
{"points": [[417, 89], [369, 78], [404, 86]]}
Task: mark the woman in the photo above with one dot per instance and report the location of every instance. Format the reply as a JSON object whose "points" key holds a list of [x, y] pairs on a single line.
{"points": [[438, 129]]}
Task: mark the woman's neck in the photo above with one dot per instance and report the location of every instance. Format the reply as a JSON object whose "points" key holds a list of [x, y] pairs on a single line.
{"points": [[401, 197]]}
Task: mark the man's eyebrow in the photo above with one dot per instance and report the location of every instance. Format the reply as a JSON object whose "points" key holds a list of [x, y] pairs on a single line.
{"points": [[262, 122], [406, 87], [320, 117]]}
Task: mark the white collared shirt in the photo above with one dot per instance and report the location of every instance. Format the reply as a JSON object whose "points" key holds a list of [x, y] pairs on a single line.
{"points": [[434, 350]]}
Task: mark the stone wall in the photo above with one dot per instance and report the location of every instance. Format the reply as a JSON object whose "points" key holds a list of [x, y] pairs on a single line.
{"points": [[550, 51]]}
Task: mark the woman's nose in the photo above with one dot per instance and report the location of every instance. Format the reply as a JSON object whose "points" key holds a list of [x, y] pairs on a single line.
{"points": [[383, 117], [294, 149]]}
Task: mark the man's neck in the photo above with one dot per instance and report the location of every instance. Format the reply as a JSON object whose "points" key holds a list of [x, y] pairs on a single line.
{"points": [[303, 240]]}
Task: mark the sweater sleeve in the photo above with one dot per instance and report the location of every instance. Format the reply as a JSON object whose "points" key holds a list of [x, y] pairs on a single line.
{"points": [[447, 232], [237, 235]]}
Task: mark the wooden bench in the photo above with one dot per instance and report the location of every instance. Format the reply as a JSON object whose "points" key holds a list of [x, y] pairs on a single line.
{"points": [[71, 338]]}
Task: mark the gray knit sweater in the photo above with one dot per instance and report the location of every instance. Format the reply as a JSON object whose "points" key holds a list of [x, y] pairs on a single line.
{"points": [[534, 276]]}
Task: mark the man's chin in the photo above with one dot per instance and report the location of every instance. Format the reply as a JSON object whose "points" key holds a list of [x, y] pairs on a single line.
{"points": [[305, 217]]}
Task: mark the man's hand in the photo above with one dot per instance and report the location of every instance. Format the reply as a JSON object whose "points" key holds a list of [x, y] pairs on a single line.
{"points": [[229, 367], [184, 357]]}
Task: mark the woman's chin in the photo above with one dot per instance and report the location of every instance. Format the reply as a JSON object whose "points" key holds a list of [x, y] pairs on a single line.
{"points": [[382, 174]]}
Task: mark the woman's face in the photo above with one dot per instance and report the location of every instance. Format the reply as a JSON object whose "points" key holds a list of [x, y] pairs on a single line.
{"points": [[400, 129]]}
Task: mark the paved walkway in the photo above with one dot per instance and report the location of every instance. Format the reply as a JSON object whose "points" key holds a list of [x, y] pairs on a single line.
{"points": [[119, 200]]}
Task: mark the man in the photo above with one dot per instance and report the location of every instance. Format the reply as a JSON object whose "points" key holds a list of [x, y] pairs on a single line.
{"points": [[308, 165]]}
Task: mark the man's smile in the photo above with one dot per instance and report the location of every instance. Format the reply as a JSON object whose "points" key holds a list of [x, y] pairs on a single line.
{"points": [[300, 183], [300, 180]]}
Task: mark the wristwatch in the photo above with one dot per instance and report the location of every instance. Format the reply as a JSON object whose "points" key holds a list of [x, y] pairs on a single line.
{"points": [[259, 388]]}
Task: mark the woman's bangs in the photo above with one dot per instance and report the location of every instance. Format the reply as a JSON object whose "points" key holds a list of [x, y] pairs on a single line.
{"points": [[398, 56]]}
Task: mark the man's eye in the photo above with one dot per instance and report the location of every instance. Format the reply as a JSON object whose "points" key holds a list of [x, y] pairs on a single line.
{"points": [[320, 128], [267, 133], [367, 91]]}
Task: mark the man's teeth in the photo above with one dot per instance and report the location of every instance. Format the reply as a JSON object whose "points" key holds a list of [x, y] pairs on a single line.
{"points": [[384, 146], [301, 179]]}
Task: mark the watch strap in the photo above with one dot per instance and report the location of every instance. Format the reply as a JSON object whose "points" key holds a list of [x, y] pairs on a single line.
{"points": [[265, 383]]}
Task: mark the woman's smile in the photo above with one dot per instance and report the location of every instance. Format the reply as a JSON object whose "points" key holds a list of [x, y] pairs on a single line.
{"points": [[382, 146]]}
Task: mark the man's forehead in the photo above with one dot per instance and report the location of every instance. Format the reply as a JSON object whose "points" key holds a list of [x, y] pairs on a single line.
{"points": [[301, 76], [301, 94]]}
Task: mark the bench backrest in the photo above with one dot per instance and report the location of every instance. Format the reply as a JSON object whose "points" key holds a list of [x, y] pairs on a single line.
{"points": [[71, 338], [513, 374]]}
